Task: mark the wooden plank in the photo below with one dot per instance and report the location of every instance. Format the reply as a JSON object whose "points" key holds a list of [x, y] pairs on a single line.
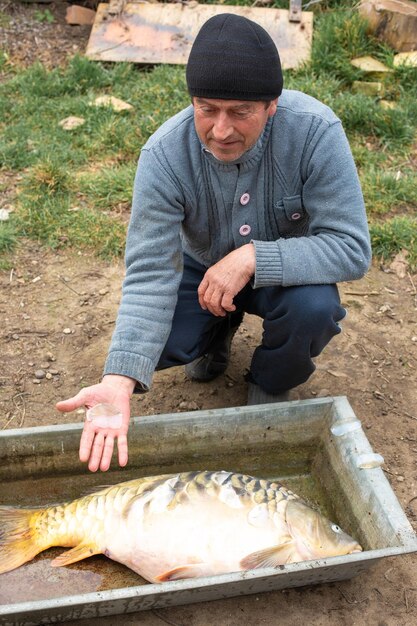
{"points": [[164, 33]]}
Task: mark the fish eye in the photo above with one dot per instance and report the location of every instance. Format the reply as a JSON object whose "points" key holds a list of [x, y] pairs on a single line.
{"points": [[336, 528]]}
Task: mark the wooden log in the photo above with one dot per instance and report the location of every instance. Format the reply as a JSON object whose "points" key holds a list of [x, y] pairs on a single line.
{"points": [[392, 21]]}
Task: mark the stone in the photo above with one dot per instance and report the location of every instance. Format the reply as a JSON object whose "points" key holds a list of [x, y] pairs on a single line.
{"points": [[114, 103], [71, 122], [388, 104], [368, 88], [406, 58], [370, 65]]}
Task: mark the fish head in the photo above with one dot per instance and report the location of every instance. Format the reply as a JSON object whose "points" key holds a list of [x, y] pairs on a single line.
{"points": [[315, 535]]}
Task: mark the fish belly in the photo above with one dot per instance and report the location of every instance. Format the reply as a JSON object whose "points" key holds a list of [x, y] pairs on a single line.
{"points": [[205, 537]]}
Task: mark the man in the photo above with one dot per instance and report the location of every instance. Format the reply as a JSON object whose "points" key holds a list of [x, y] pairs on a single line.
{"points": [[246, 201]]}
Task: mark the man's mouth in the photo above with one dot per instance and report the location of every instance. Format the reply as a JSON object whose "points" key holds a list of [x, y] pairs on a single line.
{"points": [[225, 144]]}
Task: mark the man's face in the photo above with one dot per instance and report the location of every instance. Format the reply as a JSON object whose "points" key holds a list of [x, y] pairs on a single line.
{"points": [[228, 128]]}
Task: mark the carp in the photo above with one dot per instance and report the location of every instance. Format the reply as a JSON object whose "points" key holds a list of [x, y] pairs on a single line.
{"points": [[177, 526]]}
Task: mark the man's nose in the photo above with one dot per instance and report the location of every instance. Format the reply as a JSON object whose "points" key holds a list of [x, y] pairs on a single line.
{"points": [[223, 127]]}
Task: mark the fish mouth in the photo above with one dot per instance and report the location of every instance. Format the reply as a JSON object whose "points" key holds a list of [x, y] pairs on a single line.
{"points": [[356, 550]]}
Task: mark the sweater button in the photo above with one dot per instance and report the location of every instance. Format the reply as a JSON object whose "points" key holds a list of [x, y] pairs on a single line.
{"points": [[295, 216], [244, 199], [244, 230]]}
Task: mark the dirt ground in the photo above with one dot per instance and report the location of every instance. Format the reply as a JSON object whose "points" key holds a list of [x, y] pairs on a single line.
{"points": [[58, 309]]}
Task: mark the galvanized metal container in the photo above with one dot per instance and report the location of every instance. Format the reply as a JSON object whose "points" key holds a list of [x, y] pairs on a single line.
{"points": [[316, 447]]}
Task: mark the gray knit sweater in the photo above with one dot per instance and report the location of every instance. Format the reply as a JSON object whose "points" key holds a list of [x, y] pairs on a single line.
{"points": [[296, 192]]}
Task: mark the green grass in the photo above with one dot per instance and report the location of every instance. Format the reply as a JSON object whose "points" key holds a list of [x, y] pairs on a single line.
{"points": [[59, 222], [394, 128], [75, 188], [390, 191], [8, 237], [41, 99], [392, 236], [109, 187], [44, 16]]}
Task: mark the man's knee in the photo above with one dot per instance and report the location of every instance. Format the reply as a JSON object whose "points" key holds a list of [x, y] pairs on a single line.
{"points": [[312, 306], [305, 319]]}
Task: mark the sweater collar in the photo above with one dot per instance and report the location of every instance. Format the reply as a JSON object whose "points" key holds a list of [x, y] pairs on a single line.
{"points": [[249, 158]]}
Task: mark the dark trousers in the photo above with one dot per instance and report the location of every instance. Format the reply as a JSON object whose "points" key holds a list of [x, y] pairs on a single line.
{"points": [[298, 324]]}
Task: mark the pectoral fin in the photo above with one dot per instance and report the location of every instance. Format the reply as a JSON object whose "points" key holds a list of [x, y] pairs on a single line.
{"points": [[80, 552], [183, 571], [270, 557]]}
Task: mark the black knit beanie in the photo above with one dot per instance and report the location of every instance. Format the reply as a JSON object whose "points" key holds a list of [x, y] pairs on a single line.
{"points": [[233, 58]]}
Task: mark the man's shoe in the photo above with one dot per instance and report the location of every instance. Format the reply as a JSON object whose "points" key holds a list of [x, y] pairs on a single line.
{"points": [[205, 368], [216, 359], [256, 395]]}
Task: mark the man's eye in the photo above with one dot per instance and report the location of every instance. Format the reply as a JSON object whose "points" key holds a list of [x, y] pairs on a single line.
{"points": [[241, 114]]}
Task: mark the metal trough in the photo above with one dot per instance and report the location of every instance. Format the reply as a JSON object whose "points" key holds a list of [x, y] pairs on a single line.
{"points": [[315, 447]]}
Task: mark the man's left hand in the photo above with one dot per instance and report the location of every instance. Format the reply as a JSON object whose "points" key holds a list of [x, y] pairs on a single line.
{"points": [[223, 281]]}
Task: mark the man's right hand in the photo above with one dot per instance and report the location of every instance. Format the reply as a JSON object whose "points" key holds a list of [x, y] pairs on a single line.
{"points": [[223, 280], [96, 445]]}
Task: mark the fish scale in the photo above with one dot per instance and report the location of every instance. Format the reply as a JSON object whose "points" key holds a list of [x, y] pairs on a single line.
{"points": [[188, 484], [261, 491]]}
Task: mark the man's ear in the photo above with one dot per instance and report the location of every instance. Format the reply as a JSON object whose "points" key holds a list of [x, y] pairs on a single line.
{"points": [[272, 109]]}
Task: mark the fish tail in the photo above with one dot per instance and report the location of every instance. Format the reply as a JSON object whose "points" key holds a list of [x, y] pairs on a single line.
{"points": [[18, 537]]}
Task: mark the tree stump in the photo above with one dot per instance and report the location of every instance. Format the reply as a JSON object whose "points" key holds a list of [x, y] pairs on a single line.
{"points": [[392, 21]]}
